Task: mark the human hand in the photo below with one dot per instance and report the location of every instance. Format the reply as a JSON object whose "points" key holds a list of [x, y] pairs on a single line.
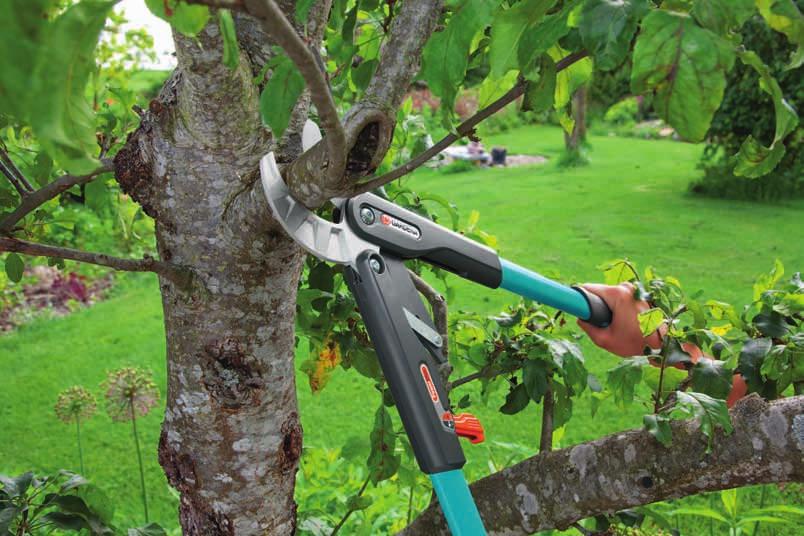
{"points": [[623, 336]]}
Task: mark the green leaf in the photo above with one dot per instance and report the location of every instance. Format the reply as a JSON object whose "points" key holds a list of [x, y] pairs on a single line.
{"points": [[361, 75], [446, 55], [60, 114], [539, 94], [729, 499], [671, 379], [569, 79], [708, 410], [674, 354], [188, 19], [568, 358], [516, 400], [685, 66], [607, 28], [280, 95], [534, 378], [785, 17], [771, 324], [356, 503], [623, 378], [754, 159], [231, 52], [542, 35], [722, 16], [22, 26], [650, 320], [659, 427], [618, 271], [303, 10], [64, 521], [14, 267], [562, 409], [7, 516], [711, 377], [749, 365], [382, 461], [507, 30]]}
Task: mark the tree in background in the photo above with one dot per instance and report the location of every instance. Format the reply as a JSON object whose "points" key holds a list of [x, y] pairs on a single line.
{"points": [[249, 74], [747, 111]]}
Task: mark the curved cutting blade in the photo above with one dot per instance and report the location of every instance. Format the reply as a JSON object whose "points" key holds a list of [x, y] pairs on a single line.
{"points": [[333, 242]]}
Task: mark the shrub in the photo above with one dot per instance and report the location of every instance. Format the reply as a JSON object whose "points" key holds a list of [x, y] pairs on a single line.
{"points": [[623, 112], [458, 166]]}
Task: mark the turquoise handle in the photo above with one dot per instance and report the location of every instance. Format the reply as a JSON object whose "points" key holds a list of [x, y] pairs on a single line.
{"points": [[531, 285], [457, 503]]}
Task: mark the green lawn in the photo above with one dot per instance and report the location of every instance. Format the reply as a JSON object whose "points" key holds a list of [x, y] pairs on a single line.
{"points": [[631, 201]]}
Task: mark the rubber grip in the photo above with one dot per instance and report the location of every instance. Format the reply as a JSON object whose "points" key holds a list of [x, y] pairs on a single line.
{"points": [[599, 312]]}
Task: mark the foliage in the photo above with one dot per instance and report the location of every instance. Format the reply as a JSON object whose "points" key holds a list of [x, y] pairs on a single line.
{"points": [[747, 112], [63, 501], [739, 520]]}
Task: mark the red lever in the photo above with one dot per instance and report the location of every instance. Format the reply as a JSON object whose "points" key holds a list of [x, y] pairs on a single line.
{"points": [[468, 426]]}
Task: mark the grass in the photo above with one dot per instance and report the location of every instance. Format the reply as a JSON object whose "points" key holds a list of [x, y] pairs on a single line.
{"points": [[631, 201]]}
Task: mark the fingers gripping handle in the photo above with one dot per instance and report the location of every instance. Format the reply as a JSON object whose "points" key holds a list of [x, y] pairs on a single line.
{"points": [[599, 312]]}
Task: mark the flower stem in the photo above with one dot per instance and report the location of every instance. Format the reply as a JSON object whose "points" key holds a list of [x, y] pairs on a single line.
{"points": [[78, 437], [139, 460]]}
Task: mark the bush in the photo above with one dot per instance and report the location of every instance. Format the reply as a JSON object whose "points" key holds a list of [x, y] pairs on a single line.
{"points": [[747, 110], [623, 112]]}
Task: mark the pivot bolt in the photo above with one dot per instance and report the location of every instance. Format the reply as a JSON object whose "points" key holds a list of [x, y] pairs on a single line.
{"points": [[367, 215], [375, 264]]}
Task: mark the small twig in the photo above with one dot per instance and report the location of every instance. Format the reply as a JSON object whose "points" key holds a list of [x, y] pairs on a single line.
{"points": [[349, 512], [35, 199], [280, 29], [146, 264], [548, 406], [10, 169], [464, 129], [482, 373]]}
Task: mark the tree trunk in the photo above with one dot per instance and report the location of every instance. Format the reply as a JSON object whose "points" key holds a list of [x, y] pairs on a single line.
{"points": [[231, 438], [573, 141]]}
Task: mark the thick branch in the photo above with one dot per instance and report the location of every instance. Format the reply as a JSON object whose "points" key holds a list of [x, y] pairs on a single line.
{"points": [[369, 125], [279, 28], [627, 469], [146, 264], [34, 200], [464, 129]]}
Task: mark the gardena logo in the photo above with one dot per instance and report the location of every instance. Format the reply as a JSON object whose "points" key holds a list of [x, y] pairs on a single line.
{"points": [[390, 221]]}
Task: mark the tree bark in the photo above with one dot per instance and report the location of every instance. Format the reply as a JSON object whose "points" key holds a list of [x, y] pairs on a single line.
{"points": [[231, 437], [553, 490]]}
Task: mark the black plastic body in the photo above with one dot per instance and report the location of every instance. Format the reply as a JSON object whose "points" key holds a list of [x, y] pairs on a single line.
{"points": [[382, 299], [411, 236], [599, 313]]}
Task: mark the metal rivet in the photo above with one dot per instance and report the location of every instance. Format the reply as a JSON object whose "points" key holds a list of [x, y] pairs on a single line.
{"points": [[367, 215], [375, 265]]}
